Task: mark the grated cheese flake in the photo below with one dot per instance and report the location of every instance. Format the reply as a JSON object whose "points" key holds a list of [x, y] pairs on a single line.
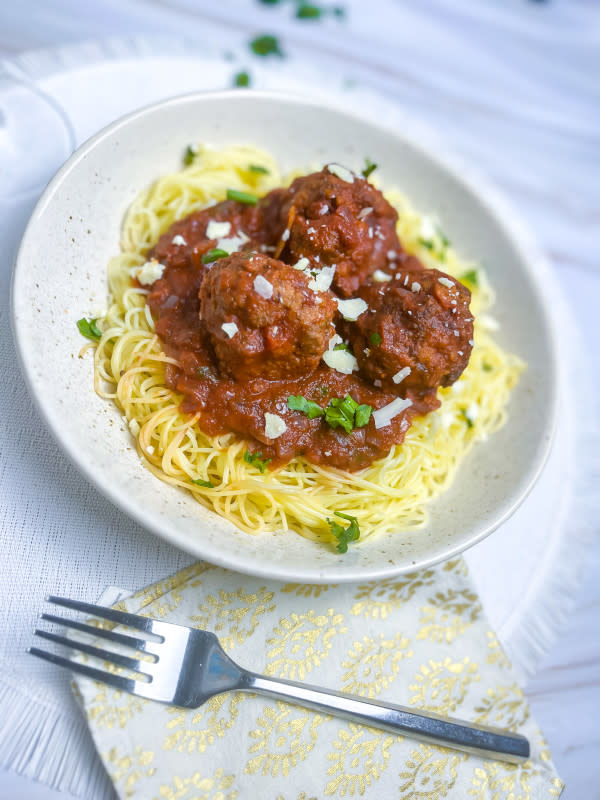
{"points": [[322, 280], [179, 240], [380, 276], [230, 329], [403, 373], [262, 287], [274, 426], [383, 416], [352, 309], [341, 172], [446, 282], [150, 272], [340, 360]]}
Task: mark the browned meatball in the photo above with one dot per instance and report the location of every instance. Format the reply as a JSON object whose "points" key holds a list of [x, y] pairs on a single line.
{"points": [[339, 220], [263, 319], [418, 329]]}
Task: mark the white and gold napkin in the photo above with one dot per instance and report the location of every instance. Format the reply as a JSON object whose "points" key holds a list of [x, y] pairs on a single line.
{"points": [[419, 640]]}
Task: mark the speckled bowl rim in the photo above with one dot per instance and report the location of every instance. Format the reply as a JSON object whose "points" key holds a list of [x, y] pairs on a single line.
{"points": [[467, 178]]}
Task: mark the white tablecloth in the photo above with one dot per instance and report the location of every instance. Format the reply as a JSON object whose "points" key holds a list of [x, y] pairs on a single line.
{"points": [[523, 109]]}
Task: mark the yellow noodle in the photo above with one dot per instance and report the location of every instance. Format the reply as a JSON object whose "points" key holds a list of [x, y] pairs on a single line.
{"points": [[389, 495]]}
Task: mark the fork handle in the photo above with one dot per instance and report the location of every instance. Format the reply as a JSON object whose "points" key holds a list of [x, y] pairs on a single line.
{"points": [[479, 739]]}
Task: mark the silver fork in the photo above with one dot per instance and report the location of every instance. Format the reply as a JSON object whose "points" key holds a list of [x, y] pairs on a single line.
{"points": [[189, 667]]}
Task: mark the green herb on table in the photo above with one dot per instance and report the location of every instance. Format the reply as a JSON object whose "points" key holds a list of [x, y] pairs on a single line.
{"points": [[266, 45], [256, 460], [344, 535], [205, 484], [241, 79], [242, 197], [370, 167], [89, 329], [214, 255]]}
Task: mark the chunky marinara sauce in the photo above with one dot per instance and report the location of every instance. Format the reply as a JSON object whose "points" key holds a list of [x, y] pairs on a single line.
{"points": [[308, 293]]}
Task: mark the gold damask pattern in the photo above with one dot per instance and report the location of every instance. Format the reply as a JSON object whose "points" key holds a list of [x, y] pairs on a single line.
{"points": [[430, 773], [301, 642], [284, 737], [419, 640]]}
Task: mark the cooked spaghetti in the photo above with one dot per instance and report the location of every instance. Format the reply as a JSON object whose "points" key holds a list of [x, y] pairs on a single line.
{"points": [[390, 494]]}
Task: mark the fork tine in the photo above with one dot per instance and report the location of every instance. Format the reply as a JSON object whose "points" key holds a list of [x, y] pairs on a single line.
{"points": [[120, 617], [117, 681], [121, 638], [105, 655]]}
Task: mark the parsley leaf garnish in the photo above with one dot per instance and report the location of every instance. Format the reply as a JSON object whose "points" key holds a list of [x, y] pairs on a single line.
{"points": [[242, 197], [256, 460], [241, 79], [342, 346], [427, 243], [189, 155], [259, 169], [375, 339], [307, 11], [308, 407], [470, 277], [467, 419], [341, 412], [266, 45], [370, 167], [214, 255], [89, 329], [205, 484], [344, 535]]}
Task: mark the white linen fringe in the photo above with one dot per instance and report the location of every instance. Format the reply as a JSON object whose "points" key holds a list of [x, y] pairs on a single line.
{"points": [[41, 743]]}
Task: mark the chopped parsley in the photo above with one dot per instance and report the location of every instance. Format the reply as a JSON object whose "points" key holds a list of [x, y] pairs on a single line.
{"points": [[256, 460], [470, 277], [259, 169], [341, 412], [467, 419], [266, 45], [89, 329], [307, 11], [241, 79], [346, 413], [308, 407], [487, 367], [189, 155], [214, 255], [427, 243], [370, 167], [375, 339], [242, 197], [205, 484], [342, 346], [344, 535]]}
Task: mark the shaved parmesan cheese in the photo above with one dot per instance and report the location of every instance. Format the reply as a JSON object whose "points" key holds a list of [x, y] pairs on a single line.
{"points": [[427, 229], [341, 172], [274, 426], [352, 309], [377, 383], [383, 416], [323, 210], [230, 329], [285, 235], [134, 426], [489, 323], [302, 263], [179, 240], [322, 280], [340, 360], [217, 230], [399, 376], [335, 339], [416, 287], [380, 276], [446, 282], [150, 272], [263, 287], [364, 212], [391, 254], [233, 243]]}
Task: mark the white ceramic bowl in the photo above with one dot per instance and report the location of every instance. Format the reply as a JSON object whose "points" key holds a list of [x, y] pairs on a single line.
{"points": [[60, 275]]}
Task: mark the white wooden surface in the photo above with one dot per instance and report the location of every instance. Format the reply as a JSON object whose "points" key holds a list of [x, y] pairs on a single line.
{"points": [[515, 87]]}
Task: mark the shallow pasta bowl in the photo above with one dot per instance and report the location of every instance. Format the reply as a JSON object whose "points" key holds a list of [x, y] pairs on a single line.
{"points": [[60, 275]]}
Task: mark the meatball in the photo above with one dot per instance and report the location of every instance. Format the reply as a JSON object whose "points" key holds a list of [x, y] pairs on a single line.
{"points": [[263, 319], [417, 332], [339, 220]]}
